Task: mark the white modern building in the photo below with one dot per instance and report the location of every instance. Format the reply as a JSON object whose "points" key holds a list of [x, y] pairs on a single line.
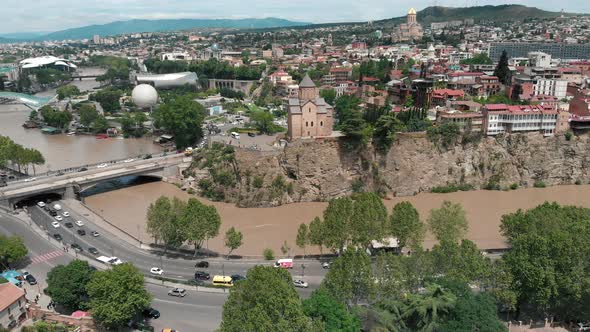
{"points": [[501, 118], [550, 87], [539, 59], [47, 61], [167, 81], [176, 56]]}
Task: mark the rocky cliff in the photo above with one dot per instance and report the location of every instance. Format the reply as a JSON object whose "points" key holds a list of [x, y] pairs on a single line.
{"points": [[311, 170]]}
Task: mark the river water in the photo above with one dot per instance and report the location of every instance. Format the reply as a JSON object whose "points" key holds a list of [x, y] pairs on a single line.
{"points": [[269, 227], [61, 151]]}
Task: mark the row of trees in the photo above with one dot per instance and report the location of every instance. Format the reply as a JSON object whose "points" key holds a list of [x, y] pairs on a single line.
{"points": [[21, 157], [114, 296]]}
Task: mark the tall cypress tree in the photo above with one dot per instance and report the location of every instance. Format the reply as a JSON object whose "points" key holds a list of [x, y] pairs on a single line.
{"points": [[502, 71]]}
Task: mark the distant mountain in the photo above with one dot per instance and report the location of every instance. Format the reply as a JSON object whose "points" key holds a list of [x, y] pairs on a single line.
{"points": [[134, 26], [23, 35], [492, 13]]}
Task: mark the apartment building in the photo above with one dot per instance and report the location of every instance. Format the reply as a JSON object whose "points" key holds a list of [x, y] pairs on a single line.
{"points": [[12, 305], [502, 118], [550, 87]]}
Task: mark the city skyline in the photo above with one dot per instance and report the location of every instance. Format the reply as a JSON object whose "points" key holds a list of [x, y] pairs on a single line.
{"points": [[19, 18]]}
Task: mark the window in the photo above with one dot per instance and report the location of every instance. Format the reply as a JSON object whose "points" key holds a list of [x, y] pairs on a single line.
{"points": [[306, 124], [321, 123], [310, 110], [312, 123]]}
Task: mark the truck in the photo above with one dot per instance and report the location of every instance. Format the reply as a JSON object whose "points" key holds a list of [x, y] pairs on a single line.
{"points": [[285, 263], [109, 260]]}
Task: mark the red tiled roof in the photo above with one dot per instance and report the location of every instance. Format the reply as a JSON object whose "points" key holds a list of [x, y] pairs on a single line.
{"points": [[9, 294]]}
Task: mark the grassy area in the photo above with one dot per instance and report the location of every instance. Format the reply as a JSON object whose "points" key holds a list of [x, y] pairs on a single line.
{"points": [[255, 108]]}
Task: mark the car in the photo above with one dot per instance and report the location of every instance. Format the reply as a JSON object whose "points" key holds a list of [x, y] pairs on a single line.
{"points": [[41, 204], [59, 218], [95, 233], [69, 225], [147, 156], [300, 283], [55, 224], [76, 247], [156, 271], [103, 165], [3, 184], [583, 326], [30, 179], [81, 232], [179, 292], [93, 251], [79, 223], [53, 213], [66, 214], [200, 275], [47, 208], [251, 134], [60, 173], [169, 330], [57, 236], [326, 265], [202, 264], [151, 313], [237, 277], [30, 279], [83, 169], [129, 160]]}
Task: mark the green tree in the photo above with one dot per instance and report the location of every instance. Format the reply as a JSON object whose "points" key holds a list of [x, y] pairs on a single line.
{"points": [[448, 223], [265, 301], [66, 284], [302, 237], [478, 59], [117, 295], [350, 278], [368, 220], [386, 128], [67, 91], [183, 118], [316, 233], [199, 222], [263, 121], [502, 71], [88, 114], [336, 224], [100, 125], [329, 95], [164, 221], [108, 99], [335, 315], [462, 261], [233, 240], [426, 312], [406, 226], [54, 117], [12, 250]]}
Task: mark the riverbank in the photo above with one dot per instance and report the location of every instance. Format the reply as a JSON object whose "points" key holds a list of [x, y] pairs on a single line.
{"points": [[269, 227]]}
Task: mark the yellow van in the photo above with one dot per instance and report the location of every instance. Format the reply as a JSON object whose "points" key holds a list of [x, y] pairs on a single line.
{"points": [[224, 281]]}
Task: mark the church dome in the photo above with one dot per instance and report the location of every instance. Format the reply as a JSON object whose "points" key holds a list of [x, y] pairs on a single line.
{"points": [[412, 11]]}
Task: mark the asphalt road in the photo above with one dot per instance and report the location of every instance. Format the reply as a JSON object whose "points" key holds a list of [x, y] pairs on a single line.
{"points": [[179, 268]]}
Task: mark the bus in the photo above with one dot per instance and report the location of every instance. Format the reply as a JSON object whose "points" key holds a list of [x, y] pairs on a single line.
{"points": [[224, 281]]}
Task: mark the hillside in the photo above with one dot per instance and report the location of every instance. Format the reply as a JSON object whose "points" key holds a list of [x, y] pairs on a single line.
{"points": [[494, 13], [133, 26]]}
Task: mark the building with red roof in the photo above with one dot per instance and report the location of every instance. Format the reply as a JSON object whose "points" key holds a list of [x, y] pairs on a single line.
{"points": [[502, 118], [12, 305]]}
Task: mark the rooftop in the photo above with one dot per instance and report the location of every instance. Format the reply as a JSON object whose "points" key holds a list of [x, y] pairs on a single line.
{"points": [[9, 294]]}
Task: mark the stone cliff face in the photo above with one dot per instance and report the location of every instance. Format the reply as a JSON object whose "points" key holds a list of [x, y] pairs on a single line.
{"points": [[319, 170]]}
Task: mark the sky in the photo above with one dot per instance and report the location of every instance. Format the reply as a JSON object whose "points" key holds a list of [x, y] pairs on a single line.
{"points": [[55, 15]]}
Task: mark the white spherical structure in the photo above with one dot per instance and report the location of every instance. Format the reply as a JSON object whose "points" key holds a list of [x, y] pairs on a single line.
{"points": [[144, 96]]}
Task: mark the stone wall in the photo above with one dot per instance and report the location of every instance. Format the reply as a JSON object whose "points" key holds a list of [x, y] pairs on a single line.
{"points": [[317, 170]]}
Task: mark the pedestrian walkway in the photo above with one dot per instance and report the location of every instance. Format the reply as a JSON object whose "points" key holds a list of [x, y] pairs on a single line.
{"points": [[46, 257]]}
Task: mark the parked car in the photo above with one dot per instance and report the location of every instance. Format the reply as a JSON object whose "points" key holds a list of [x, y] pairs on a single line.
{"points": [[300, 283], [129, 160], [326, 265], [237, 277], [156, 271], [202, 264], [93, 251], [79, 223], [41, 204], [57, 236], [95, 233], [103, 165], [30, 279], [147, 156], [81, 232], [59, 218], [66, 214], [69, 225], [83, 169], [76, 247], [151, 313], [251, 134], [179, 292], [55, 224], [30, 179], [200, 275]]}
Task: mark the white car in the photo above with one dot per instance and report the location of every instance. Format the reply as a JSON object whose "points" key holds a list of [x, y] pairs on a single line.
{"points": [[129, 160], [59, 218], [326, 265], [66, 214], [30, 179], [103, 165], [300, 283], [79, 223], [156, 270], [40, 204], [55, 224]]}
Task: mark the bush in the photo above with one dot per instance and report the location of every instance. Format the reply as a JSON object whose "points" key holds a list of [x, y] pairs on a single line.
{"points": [[268, 254], [358, 186], [578, 182], [569, 135], [514, 186], [492, 185], [190, 191], [258, 182], [539, 184], [451, 188]]}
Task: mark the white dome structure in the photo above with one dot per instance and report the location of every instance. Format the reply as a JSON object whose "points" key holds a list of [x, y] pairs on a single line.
{"points": [[144, 96]]}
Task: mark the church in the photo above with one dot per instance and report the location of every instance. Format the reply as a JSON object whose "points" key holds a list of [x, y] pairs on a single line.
{"points": [[309, 114], [412, 30]]}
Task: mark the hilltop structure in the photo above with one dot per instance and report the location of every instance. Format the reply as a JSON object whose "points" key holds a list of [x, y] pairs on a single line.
{"points": [[411, 30], [309, 114]]}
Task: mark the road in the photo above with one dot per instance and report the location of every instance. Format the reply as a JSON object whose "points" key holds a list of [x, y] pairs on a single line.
{"points": [[174, 266]]}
